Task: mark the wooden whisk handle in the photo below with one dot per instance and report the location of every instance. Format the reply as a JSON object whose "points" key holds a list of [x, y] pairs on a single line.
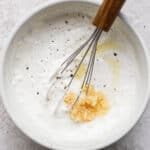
{"points": [[107, 14]]}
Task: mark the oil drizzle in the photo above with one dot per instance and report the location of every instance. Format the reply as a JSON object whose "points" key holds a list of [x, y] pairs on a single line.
{"points": [[81, 71], [114, 65], [107, 45], [112, 61]]}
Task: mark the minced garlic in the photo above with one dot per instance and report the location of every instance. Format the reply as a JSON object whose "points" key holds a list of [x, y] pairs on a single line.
{"points": [[69, 98], [89, 106]]}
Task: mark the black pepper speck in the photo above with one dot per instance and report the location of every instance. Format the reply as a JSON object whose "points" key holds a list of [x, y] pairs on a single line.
{"points": [[37, 93], [27, 68], [58, 77], [66, 22], [115, 89], [65, 87], [71, 75], [115, 54]]}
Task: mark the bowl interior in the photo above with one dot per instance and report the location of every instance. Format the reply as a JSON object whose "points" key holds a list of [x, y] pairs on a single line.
{"points": [[40, 45]]}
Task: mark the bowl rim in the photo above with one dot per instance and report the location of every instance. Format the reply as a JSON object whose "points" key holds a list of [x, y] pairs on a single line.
{"points": [[14, 32]]}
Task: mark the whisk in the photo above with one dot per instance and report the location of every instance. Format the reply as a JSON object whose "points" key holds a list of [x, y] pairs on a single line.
{"points": [[103, 21]]}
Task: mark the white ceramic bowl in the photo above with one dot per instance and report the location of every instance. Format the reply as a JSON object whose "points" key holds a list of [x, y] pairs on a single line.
{"points": [[26, 57]]}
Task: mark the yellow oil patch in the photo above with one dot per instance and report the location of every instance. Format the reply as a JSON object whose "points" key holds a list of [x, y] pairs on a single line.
{"points": [[107, 45], [81, 71], [114, 65], [113, 62]]}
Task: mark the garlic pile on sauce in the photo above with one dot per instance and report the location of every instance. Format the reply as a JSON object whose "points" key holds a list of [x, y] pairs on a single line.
{"points": [[89, 106]]}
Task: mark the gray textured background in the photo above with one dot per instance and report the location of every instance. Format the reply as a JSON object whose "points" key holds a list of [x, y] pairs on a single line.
{"points": [[11, 13]]}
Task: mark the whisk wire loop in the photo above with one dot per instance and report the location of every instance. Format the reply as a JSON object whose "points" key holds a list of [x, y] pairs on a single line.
{"points": [[89, 70]]}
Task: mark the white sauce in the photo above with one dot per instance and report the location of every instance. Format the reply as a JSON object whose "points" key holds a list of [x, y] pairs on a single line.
{"points": [[37, 49]]}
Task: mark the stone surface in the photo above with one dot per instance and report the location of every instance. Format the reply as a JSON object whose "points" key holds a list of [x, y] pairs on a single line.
{"points": [[11, 12]]}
